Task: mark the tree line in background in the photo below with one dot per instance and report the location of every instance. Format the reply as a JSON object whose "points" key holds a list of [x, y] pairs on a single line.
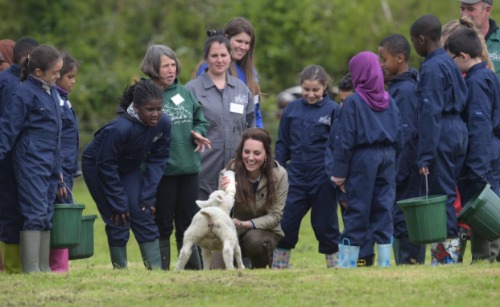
{"points": [[110, 37]]}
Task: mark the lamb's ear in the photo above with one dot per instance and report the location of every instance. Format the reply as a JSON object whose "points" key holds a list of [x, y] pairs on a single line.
{"points": [[220, 198], [202, 203]]}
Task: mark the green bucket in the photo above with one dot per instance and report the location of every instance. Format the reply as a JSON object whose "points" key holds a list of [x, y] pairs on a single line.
{"points": [[86, 247], [66, 225], [482, 214], [425, 218]]}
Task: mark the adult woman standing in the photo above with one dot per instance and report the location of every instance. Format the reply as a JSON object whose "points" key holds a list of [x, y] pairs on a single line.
{"points": [[260, 197], [228, 106], [178, 188], [241, 35]]}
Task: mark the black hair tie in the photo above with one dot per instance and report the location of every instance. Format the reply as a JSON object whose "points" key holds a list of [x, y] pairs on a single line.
{"points": [[213, 32]]}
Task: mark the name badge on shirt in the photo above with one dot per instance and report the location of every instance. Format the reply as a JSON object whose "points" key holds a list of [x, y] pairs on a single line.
{"points": [[236, 108], [177, 99]]}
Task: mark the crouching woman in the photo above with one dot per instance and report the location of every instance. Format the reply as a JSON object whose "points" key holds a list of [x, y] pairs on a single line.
{"points": [[122, 167], [261, 190]]}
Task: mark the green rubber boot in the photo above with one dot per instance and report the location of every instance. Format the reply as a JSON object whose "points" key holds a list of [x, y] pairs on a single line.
{"points": [[118, 256], [30, 250], [150, 252], [44, 251]]}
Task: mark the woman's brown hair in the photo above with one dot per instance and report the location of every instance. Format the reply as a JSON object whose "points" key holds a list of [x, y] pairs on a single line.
{"points": [[245, 191]]}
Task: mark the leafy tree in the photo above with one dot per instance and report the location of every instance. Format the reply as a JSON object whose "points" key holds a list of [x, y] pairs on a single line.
{"points": [[111, 37]]}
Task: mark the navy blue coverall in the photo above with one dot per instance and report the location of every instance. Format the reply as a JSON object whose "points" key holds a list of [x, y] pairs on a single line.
{"points": [[482, 115], [303, 132], [69, 144], [366, 149], [30, 126], [403, 89], [122, 167], [11, 220], [442, 132]]}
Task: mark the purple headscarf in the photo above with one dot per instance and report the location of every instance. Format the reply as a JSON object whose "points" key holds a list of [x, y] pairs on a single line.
{"points": [[368, 80], [7, 50]]}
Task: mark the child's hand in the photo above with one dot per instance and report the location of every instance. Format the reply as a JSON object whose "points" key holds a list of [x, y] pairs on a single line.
{"points": [[343, 203], [121, 216], [61, 188], [424, 171], [339, 182], [152, 210], [62, 193]]}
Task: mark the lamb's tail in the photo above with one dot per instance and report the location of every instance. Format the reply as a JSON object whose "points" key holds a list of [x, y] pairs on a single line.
{"points": [[212, 219]]}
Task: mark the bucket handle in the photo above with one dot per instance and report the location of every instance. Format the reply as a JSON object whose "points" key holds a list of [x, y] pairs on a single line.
{"points": [[70, 192], [346, 240], [426, 186]]}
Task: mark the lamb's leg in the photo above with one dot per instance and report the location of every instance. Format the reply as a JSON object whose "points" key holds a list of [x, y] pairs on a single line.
{"points": [[237, 256], [184, 255], [227, 254], [206, 254]]}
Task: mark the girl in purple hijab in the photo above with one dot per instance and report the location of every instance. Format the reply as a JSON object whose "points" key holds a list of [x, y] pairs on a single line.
{"points": [[364, 161], [368, 80]]}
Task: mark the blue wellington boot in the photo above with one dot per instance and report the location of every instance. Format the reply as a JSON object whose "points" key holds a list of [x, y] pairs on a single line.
{"points": [[384, 255]]}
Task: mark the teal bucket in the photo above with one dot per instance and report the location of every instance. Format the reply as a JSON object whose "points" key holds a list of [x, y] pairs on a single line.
{"points": [[86, 247], [66, 225], [482, 214], [425, 218]]}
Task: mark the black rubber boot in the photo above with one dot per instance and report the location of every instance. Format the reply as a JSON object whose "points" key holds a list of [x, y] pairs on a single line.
{"points": [[165, 254], [365, 261]]}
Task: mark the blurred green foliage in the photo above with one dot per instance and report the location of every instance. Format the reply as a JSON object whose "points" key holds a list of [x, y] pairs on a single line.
{"points": [[111, 37]]}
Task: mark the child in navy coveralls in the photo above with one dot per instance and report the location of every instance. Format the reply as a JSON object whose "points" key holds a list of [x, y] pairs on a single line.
{"points": [[11, 220], [394, 51], [366, 251], [30, 126], [303, 131], [69, 147], [483, 124], [442, 132], [122, 167], [364, 161]]}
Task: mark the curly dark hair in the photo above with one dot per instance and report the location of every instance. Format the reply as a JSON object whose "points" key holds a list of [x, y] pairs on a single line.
{"points": [[140, 92]]}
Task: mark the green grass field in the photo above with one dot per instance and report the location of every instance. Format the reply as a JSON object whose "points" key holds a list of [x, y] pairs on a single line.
{"points": [[93, 282]]}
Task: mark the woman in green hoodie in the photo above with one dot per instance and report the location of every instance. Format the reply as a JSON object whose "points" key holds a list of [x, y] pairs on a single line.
{"points": [[179, 186]]}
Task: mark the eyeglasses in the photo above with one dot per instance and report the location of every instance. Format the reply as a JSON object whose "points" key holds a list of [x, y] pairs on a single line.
{"points": [[453, 57]]}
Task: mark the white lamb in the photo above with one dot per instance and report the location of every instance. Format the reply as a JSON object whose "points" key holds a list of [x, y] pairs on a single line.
{"points": [[212, 229]]}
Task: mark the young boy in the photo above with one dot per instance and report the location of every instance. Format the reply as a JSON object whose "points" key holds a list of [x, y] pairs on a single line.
{"points": [[483, 101], [345, 88], [442, 143], [394, 52]]}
